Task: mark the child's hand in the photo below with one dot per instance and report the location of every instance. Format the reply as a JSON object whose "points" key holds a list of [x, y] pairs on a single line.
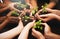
{"points": [[37, 34]]}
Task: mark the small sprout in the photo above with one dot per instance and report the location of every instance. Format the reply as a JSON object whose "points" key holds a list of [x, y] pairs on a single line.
{"points": [[38, 25], [41, 28], [34, 10], [34, 27], [44, 7], [14, 13], [26, 17]]}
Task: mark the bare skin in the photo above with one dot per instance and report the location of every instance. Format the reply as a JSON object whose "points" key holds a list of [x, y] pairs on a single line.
{"points": [[34, 3], [9, 35], [48, 34], [4, 5], [25, 31], [47, 17]]}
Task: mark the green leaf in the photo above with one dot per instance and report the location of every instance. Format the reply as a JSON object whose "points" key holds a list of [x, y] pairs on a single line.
{"points": [[33, 12], [41, 28], [26, 17], [14, 13], [34, 27], [44, 7]]}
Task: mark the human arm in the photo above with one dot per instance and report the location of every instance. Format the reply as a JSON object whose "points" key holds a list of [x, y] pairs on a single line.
{"points": [[13, 32], [48, 17], [54, 14], [48, 34], [25, 31], [3, 9], [37, 34], [11, 6]]}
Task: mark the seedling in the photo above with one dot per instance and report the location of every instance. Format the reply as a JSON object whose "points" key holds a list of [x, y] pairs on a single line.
{"points": [[26, 19], [14, 13], [38, 25], [33, 11], [44, 7]]}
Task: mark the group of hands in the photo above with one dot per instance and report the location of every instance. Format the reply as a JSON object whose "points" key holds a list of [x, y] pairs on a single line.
{"points": [[47, 30]]}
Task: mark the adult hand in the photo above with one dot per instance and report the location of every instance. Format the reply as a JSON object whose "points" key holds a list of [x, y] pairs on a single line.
{"points": [[48, 17], [37, 34], [25, 31]]}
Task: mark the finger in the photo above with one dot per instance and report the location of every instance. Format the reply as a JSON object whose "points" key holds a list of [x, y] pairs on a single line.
{"points": [[45, 19], [35, 32], [49, 10], [45, 15], [39, 11], [19, 18], [45, 24], [31, 24], [47, 28]]}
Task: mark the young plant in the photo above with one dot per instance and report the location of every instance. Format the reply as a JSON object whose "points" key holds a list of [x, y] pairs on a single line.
{"points": [[26, 18], [44, 7], [39, 27], [34, 10], [14, 13]]}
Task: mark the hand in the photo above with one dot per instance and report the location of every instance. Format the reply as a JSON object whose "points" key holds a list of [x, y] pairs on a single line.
{"points": [[30, 25], [48, 34], [13, 19], [20, 22], [47, 28], [48, 17], [57, 12], [25, 31], [47, 31], [37, 34]]}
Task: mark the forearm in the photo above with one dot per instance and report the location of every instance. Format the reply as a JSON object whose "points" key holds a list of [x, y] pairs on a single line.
{"points": [[11, 33], [24, 33], [3, 9], [4, 24]]}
